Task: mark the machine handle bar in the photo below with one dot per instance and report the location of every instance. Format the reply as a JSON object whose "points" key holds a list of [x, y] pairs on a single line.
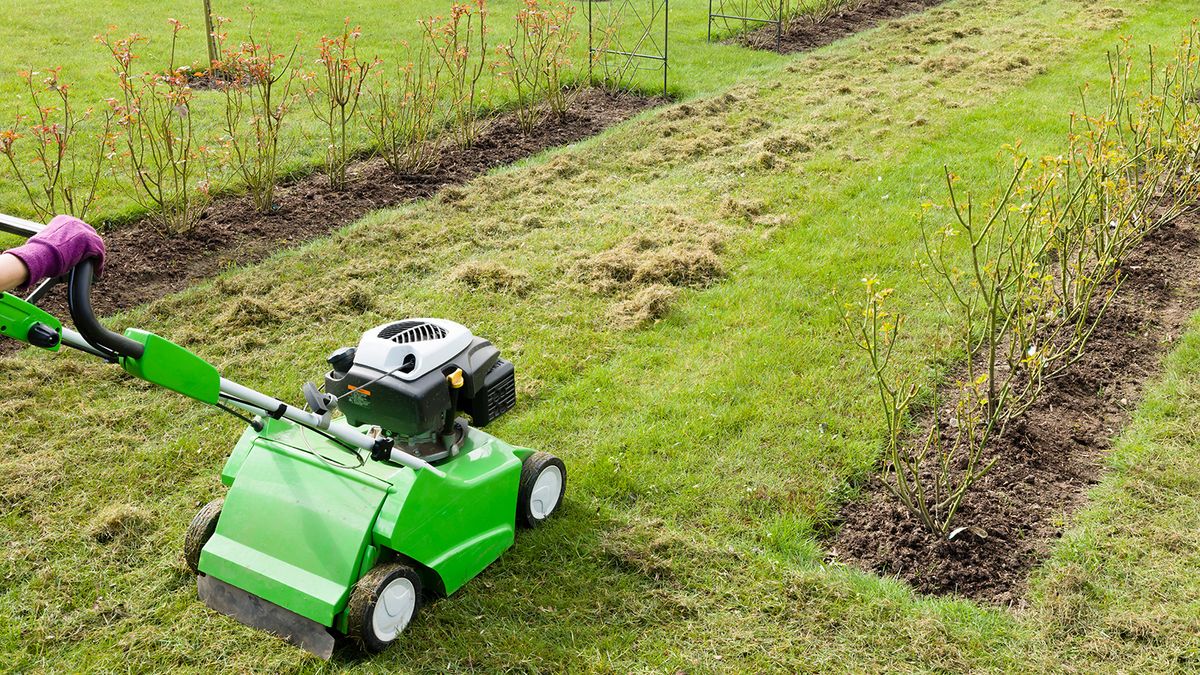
{"points": [[79, 299], [108, 344], [19, 226]]}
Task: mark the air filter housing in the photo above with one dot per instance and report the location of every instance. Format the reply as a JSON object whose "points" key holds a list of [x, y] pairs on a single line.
{"points": [[397, 378]]}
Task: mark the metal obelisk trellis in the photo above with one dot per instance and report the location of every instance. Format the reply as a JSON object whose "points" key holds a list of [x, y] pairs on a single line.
{"points": [[628, 36], [740, 11]]}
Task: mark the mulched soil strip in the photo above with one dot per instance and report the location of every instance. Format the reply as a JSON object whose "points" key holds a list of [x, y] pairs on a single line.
{"points": [[804, 36], [144, 264], [1048, 460]]}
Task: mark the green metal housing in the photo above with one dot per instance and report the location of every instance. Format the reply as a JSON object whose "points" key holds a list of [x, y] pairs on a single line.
{"points": [[304, 518]]}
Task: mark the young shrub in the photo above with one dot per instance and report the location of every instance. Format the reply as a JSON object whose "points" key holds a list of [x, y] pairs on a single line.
{"points": [[405, 114], [61, 165], [257, 86], [155, 139], [611, 73], [874, 330], [1141, 153], [460, 43], [334, 92], [535, 60], [1021, 320], [1001, 288]]}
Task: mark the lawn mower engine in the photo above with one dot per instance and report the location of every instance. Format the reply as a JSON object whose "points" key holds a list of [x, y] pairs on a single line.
{"points": [[412, 378]]}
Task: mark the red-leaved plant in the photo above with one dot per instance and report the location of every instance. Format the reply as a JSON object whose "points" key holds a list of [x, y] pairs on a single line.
{"points": [[257, 84], [460, 42], [535, 60], [155, 138], [334, 91], [61, 165], [405, 113]]}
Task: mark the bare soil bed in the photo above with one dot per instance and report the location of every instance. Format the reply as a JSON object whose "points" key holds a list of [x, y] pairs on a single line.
{"points": [[145, 264], [803, 35], [1052, 456]]}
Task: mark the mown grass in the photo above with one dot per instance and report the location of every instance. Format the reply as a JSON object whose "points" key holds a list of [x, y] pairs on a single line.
{"points": [[35, 37], [706, 452], [1122, 586]]}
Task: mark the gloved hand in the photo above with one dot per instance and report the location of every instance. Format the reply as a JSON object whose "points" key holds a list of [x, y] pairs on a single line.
{"points": [[55, 250]]}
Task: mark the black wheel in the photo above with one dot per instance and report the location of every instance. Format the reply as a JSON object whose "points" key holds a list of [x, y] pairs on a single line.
{"points": [[382, 604], [199, 532], [543, 482]]}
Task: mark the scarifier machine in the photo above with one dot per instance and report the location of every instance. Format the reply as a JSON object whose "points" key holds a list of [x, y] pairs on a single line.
{"points": [[337, 525]]}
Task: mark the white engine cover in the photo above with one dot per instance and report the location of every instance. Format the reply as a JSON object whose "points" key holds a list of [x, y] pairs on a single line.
{"points": [[431, 342]]}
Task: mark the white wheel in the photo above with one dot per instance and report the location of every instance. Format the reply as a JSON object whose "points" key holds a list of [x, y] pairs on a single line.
{"points": [[394, 609], [543, 482], [382, 604], [546, 491]]}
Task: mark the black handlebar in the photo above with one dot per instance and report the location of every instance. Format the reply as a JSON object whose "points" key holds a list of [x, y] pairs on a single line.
{"points": [[79, 299]]}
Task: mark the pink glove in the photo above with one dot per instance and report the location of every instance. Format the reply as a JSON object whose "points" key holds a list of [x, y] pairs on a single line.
{"points": [[55, 250]]}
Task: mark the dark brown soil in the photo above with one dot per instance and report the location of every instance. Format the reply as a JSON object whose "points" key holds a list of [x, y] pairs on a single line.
{"points": [[1049, 460], [805, 35], [203, 80], [145, 264]]}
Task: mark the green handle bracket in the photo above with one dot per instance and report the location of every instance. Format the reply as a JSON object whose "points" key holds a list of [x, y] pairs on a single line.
{"points": [[18, 318], [170, 366]]}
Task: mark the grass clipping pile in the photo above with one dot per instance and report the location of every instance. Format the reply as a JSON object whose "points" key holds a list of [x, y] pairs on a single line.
{"points": [[1065, 294], [645, 273]]}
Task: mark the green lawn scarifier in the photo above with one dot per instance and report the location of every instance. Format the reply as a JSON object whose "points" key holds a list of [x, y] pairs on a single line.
{"points": [[330, 525]]}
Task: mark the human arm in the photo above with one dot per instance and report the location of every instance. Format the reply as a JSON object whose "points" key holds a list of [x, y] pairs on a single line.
{"points": [[12, 272], [50, 253]]}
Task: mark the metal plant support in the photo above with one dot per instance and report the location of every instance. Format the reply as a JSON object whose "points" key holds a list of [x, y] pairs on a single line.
{"points": [[741, 10], [624, 36]]}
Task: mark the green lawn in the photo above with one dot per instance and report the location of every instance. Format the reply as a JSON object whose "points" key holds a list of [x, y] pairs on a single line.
{"points": [[707, 452], [39, 35]]}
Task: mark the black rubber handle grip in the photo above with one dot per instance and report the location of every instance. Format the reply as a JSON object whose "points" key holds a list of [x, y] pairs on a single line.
{"points": [[79, 299]]}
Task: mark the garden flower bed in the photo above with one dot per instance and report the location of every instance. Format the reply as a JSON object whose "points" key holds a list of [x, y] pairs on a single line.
{"points": [[146, 263], [1049, 460]]}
